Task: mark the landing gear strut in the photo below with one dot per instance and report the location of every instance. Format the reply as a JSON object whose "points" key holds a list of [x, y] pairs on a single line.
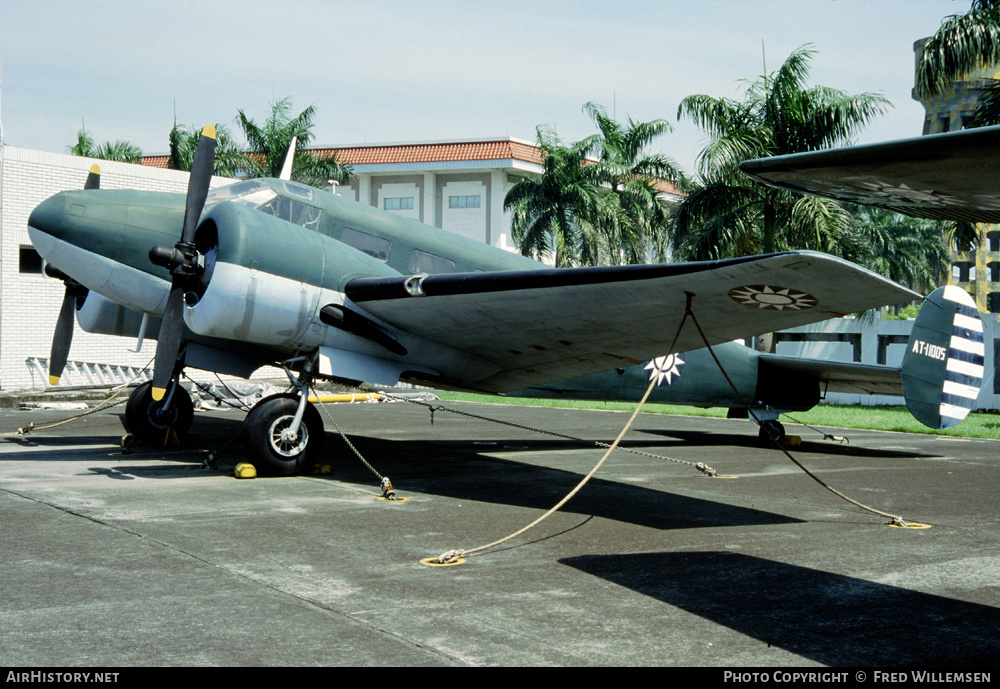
{"points": [[159, 423]]}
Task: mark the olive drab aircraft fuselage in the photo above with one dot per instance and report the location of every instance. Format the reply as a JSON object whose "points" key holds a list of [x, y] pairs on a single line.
{"points": [[268, 271]]}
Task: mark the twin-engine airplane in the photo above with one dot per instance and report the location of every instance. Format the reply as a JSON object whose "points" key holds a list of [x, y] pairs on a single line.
{"points": [[271, 272]]}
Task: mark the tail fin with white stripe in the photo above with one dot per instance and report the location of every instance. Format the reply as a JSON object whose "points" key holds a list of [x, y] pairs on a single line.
{"points": [[942, 369]]}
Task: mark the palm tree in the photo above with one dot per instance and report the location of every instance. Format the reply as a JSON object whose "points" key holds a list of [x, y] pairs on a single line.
{"points": [[552, 215], [725, 213], [910, 251], [121, 151], [230, 160], [637, 211], [963, 44], [269, 143]]}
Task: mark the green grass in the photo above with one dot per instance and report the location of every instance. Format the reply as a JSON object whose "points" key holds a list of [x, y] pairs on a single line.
{"points": [[979, 425]]}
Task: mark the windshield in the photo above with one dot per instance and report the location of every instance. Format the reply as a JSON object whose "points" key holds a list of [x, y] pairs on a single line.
{"points": [[257, 195], [251, 193]]}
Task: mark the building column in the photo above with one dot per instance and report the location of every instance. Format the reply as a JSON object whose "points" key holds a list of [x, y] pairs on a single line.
{"points": [[429, 214]]}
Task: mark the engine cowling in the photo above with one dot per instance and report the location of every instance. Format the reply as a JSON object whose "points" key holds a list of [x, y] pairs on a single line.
{"points": [[266, 280]]}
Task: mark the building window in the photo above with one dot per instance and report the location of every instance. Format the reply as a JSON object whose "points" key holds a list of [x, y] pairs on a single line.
{"points": [[29, 262], [463, 202], [993, 303], [994, 271], [964, 272], [398, 204], [993, 241]]}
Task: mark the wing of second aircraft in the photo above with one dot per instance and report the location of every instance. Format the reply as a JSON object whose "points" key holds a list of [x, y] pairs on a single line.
{"points": [[953, 176]]}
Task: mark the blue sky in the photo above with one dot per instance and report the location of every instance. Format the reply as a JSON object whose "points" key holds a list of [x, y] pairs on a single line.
{"points": [[388, 71]]}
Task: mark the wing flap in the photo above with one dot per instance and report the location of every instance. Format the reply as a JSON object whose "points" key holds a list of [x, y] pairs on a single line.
{"points": [[545, 325], [953, 176]]}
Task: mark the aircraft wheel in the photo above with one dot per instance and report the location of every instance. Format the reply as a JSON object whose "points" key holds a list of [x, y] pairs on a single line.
{"points": [[151, 423], [771, 429], [269, 446]]}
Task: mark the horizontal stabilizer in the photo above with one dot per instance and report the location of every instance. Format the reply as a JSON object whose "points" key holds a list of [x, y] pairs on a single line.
{"points": [[943, 366]]}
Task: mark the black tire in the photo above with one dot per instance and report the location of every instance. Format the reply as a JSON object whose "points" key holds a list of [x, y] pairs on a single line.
{"points": [[150, 423], [771, 431], [267, 451]]}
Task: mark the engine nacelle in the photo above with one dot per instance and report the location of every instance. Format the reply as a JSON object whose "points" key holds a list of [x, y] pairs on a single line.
{"points": [[105, 317], [266, 280]]}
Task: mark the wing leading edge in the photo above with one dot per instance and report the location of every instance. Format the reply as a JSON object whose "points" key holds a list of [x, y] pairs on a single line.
{"points": [[953, 176], [539, 326]]}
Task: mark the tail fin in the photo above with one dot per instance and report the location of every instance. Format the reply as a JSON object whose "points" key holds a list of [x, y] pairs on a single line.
{"points": [[942, 369]]}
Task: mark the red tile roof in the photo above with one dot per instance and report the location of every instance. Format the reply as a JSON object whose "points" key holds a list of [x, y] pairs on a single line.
{"points": [[391, 154], [435, 152]]}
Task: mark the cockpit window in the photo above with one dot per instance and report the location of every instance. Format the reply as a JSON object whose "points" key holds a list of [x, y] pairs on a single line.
{"points": [[300, 190], [248, 193], [293, 211]]}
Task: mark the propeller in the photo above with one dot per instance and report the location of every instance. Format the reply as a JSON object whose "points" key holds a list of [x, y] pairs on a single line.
{"points": [[62, 338], [185, 264]]}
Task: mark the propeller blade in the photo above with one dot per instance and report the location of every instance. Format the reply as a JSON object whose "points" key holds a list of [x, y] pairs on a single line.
{"points": [[168, 343], [93, 178], [183, 265], [201, 177], [63, 337]]}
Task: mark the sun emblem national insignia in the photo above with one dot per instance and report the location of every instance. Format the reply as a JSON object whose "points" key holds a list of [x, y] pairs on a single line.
{"points": [[665, 368], [776, 298]]}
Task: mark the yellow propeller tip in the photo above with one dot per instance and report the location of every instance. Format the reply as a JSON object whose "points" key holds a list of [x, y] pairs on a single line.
{"points": [[53, 380], [158, 394], [209, 131]]}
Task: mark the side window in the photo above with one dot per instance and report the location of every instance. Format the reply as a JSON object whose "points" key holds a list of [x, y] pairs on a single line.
{"points": [[376, 247], [423, 262], [29, 262]]}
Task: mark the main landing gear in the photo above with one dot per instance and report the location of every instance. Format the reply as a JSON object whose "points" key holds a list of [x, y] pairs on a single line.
{"points": [[281, 435]]}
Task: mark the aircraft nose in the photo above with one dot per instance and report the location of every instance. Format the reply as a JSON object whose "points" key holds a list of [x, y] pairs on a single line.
{"points": [[50, 217]]}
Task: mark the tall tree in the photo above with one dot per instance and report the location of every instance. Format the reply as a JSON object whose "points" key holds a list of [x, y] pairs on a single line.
{"points": [[121, 151], [910, 251], [636, 213], [553, 215], [725, 213], [230, 159], [269, 141], [963, 44]]}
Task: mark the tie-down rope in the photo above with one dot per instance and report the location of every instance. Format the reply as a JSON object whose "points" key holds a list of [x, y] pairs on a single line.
{"points": [[455, 555], [895, 520]]}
